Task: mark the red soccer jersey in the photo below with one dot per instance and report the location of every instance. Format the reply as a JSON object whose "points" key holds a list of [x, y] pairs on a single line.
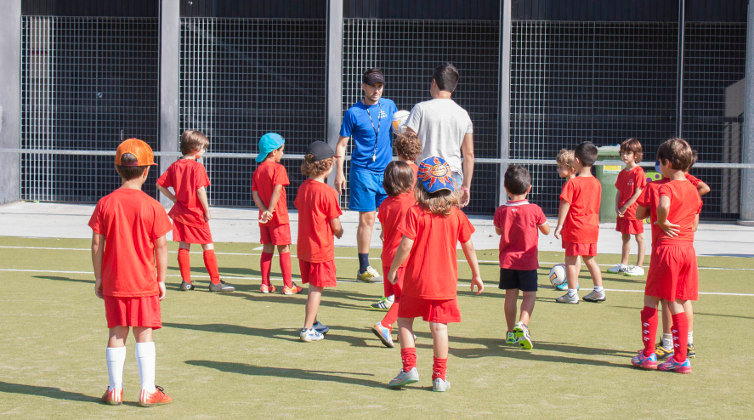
{"points": [[685, 204], [392, 213], [432, 270], [693, 180], [186, 176], [317, 204], [582, 224], [130, 221], [267, 175], [650, 198], [627, 184], [519, 221]]}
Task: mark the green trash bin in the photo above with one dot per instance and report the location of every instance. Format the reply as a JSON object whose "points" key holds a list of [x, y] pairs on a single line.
{"points": [[607, 174]]}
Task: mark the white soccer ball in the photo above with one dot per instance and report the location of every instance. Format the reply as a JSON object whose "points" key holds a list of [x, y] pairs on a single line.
{"points": [[558, 275], [399, 121]]}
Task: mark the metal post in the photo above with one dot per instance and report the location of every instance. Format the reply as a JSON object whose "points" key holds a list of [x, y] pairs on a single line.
{"points": [[746, 215], [170, 38], [505, 91], [10, 100], [679, 75], [334, 73]]}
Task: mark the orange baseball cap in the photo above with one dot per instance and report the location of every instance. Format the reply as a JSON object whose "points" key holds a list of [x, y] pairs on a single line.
{"points": [[136, 147]]}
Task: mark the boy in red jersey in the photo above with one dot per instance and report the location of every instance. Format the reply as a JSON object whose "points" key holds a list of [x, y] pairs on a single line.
{"points": [[578, 219], [318, 220], [517, 222], [631, 180], [673, 274], [190, 212], [431, 230], [566, 169], [268, 191], [129, 229], [398, 182]]}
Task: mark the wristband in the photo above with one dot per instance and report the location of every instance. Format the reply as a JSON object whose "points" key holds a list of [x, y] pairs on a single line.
{"points": [[465, 189]]}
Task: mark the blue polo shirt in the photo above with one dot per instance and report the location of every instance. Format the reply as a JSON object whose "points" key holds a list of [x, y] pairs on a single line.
{"points": [[361, 125]]}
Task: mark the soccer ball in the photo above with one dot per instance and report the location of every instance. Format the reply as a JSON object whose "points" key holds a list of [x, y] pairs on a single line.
{"points": [[558, 275], [399, 121]]}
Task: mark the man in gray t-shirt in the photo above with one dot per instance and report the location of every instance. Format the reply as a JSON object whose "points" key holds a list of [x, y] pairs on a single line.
{"points": [[445, 128]]}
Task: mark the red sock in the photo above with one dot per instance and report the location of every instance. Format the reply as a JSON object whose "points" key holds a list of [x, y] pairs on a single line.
{"points": [[184, 264], [648, 329], [265, 264], [392, 314], [439, 367], [408, 357], [210, 262], [680, 332], [285, 269]]}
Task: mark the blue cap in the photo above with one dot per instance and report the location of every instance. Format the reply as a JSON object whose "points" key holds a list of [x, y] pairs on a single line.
{"points": [[435, 174], [268, 143]]}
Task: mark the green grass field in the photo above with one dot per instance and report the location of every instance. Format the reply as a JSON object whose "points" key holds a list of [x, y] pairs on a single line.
{"points": [[238, 355]]}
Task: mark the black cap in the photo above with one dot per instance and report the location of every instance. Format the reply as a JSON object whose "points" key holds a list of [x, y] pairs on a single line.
{"points": [[372, 76], [321, 150]]}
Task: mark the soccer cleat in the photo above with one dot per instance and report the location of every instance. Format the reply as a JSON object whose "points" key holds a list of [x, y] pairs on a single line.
{"points": [[566, 298], [267, 289], [440, 385], [564, 286], [383, 334], [186, 286], [221, 287], [690, 351], [113, 396], [404, 378], [309, 335], [370, 275], [634, 270], [522, 336], [671, 365], [510, 338], [644, 362], [293, 290], [382, 305], [619, 268], [321, 328], [595, 296], [158, 397], [662, 352]]}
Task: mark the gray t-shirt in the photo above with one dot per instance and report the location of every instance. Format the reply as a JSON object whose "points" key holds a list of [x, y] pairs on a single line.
{"points": [[441, 125]]}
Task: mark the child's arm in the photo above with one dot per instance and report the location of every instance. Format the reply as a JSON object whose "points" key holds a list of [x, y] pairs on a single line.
{"points": [[404, 249], [476, 276], [544, 228], [702, 188], [98, 252], [617, 204], [498, 230], [337, 229], [642, 212], [630, 201], [201, 194], [663, 208], [562, 213], [696, 222], [277, 190], [166, 192], [161, 254], [266, 214]]}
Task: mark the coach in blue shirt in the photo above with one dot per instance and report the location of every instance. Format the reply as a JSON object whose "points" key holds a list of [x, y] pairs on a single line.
{"points": [[368, 122]]}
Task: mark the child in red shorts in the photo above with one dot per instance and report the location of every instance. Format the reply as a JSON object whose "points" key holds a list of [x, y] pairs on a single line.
{"points": [[398, 182], [566, 169], [129, 229], [190, 212], [431, 230], [318, 220], [578, 220], [673, 273], [631, 180], [268, 190], [517, 222]]}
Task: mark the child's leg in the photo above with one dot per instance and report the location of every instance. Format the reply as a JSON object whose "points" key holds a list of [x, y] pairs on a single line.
{"points": [[680, 330], [440, 347], [690, 316], [115, 355], [640, 251], [145, 358], [408, 348], [527, 307], [184, 261], [284, 251], [649, 324], [312, 306], [509, 307], [594, 269], [265, 263], [625, 248], [210, 262], [572, 273]]}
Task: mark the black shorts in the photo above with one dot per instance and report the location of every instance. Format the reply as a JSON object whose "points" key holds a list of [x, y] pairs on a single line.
{"points": [[524, 280]]}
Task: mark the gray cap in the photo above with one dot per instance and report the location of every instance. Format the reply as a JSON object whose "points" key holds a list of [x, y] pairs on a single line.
{"points": [[321, 150]]}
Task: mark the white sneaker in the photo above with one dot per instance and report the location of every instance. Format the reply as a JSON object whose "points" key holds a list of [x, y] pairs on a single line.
{"points": [[309, 335], [619, 268], [440, 385], [370, 275], [404, 378], [566, 298], [634, 270]]}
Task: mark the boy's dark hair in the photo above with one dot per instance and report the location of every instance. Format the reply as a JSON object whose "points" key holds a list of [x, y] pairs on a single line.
{"points": [[678, 152], [193, 141], [632, 145], [398, 179], [694, 158], [586, 153], [407, 145], [446, 77], [439, 202], [313, 168], [517, 179], [129, 172]]}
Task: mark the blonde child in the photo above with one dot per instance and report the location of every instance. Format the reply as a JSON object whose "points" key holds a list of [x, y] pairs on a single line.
{"points": [[567, 170]]}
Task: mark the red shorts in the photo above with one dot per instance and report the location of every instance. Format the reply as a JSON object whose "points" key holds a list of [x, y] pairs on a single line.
{"points": [[275, 235], [191, 234], [318, 274], [574, 249], [133, 311], [628, 226], [673, 273], [440, 311], [391, 289]]}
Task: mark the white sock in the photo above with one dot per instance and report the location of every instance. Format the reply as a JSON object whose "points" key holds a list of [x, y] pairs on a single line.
{"points": [[599, 289], [116, 358], [145, 357], [571, 292], [667, 341], [391, 298], [691, 338]]}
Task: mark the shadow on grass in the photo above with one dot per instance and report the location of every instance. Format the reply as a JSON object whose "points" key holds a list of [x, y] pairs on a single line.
{"points": [[270, 371], [332, 298], [45, 391], [61, 278]]}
